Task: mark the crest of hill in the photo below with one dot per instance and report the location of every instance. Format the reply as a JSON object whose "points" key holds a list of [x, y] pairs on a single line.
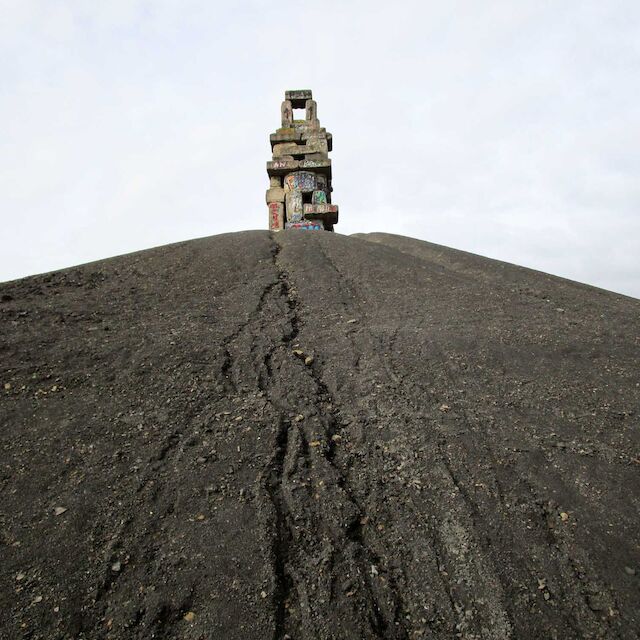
{"points": [[307, 434]]}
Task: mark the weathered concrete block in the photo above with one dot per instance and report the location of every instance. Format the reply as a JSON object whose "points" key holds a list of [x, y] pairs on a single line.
{"points": [[306, 126], [326, 212], [288, 134], [276, 216], [319, 209], [311, 109], [317, 133], [286, 111], [317, 146], [281, 167], [303, 181], [298, 97], [285, 149], [318, 197], [315, 164], [310, 225], [316, 156], [275, 181], [275, 194], [294, 206]]}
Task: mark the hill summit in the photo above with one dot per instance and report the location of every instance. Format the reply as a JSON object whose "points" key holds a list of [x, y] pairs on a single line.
{"points": [[297, 435]]}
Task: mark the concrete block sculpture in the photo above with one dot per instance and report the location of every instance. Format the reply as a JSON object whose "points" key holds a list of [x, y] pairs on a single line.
{"points": [[299, 194]]}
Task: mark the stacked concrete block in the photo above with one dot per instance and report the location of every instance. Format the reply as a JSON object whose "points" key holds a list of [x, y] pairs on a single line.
{"points": [[299, 195]]}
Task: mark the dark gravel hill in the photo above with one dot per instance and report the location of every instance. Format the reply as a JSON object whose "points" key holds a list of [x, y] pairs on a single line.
{"points": [[309, 435]]}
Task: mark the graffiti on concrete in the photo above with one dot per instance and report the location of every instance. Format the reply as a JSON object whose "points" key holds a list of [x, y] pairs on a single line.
{"points": [[315, 225], [319, 197], [276, 215], [294, 206], [303, 181]]}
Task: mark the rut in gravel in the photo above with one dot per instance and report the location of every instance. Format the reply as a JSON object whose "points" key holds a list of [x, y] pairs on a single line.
{"points": [[317, 544], [318, 436]]}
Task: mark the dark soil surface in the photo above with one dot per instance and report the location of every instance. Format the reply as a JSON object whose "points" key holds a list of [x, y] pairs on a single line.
{"points": [[306, 435]]}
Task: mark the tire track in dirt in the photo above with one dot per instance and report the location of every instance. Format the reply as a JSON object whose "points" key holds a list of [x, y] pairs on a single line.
{"points": [[301, 467]]}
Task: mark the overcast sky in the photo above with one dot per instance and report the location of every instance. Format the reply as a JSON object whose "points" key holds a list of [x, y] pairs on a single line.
{"points": [[509, 129]]}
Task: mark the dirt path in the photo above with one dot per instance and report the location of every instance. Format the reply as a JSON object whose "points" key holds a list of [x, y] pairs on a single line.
{"points": [[317, 436]]}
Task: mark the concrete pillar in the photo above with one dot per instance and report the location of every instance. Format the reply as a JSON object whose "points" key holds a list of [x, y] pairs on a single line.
{"points": [[276, 216], [275, 194], [287, 114], [311, 108]]}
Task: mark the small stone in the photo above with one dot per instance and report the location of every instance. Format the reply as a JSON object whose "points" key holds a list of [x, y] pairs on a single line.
{"points": [[308, 360], [299, 418], [630, 571], [201, 460], [7, 386], [21, 576], [596, 603], [263, 594], [116, 566], [352, 321], [58, 511], [189, 616], [56, 609], [336, 437], [200, 516], [37, 599], [444, 408], [546, 595], [54, 388], [564, 516], [299, 353]]}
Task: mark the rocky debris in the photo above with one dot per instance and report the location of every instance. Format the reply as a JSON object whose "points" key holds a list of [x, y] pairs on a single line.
{"points": [[460, 463]]}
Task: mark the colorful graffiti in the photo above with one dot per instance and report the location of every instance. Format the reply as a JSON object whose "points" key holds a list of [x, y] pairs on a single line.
{"points": [[304, 181], [305, 226], [294, 205], [319, 197]]}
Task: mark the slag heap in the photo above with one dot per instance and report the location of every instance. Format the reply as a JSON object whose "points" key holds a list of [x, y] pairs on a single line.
{"points": [[299, 195]]}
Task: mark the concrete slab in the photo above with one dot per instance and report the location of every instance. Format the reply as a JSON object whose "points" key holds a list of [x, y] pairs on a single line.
{"points": [[275, 194]]}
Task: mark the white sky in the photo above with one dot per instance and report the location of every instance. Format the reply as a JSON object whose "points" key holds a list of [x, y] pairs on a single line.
{"points": [[509, 129]]}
